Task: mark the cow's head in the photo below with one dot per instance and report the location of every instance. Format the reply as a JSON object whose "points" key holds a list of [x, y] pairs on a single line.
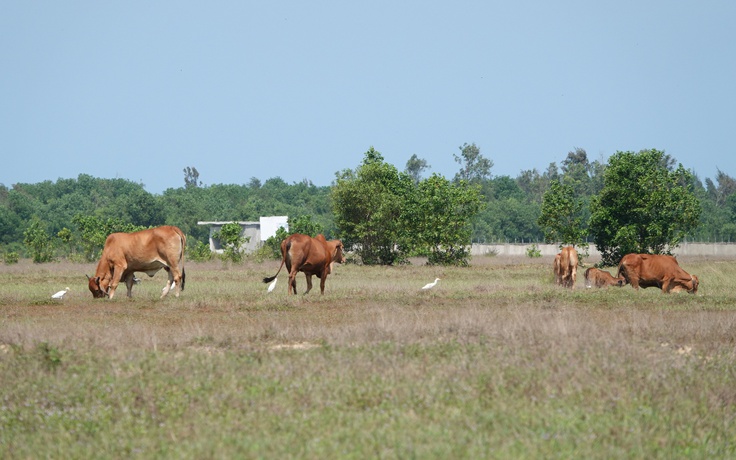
{"points": [[98, 287], [337, 255], [695, 282]]}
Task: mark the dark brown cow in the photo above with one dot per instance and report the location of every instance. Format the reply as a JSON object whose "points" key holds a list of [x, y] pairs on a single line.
{"points": [[601, 278], [313, 256], [566, 268], [663, 271], [145, 251]]}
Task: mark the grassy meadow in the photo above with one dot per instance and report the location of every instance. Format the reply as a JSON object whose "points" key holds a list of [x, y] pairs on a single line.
{"points": [[494, 362]]}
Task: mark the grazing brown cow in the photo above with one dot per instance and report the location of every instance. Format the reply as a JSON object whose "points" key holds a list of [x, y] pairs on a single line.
{"points": [[663, 271], [145, 251], [567, 268], [601, 278], [313, 256]]}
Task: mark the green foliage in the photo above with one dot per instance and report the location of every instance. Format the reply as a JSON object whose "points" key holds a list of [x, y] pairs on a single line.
{"points": [[38, 241], [368, 204], [474, 166], [645, 206], [95, 230], [561, 216], [415, 167], [388, 217], [199, 252], [533, 251], [10, 257], [272, 246], [232, 240], [305, 225], [191, 177], [437, 219]]}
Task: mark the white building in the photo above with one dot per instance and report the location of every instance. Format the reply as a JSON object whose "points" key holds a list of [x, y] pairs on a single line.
{"points": [[256, 232]]}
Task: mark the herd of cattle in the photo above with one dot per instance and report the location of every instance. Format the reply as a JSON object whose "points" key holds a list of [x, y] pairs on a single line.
{"points": [[159, 248], [639, 270]]}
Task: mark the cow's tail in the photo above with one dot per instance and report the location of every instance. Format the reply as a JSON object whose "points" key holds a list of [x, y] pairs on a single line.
{"points": [[284, 250], [183, 239]]}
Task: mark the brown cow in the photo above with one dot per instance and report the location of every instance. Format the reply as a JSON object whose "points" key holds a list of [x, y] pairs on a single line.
{"points": [[601, 278], [313, 256], [145, 251], [567, 267], [663, 271]]}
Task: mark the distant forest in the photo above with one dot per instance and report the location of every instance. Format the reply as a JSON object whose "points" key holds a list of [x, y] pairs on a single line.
{"points": [[511, 206]]}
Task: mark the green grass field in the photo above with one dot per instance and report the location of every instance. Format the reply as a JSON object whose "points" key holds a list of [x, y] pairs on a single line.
{"points": [[494, 362]]}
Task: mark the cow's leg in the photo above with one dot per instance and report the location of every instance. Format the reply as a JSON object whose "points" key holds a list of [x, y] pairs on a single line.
{"points": [[117, 273], [667, 285], [129, 284], [309, 283], [291, 286], [177, 279], [174, 277], [573, 276], [322, 281], [634, 281]]}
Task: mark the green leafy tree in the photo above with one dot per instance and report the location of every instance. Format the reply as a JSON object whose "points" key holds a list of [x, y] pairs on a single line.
{"points": [[438, 219], [191, 177], [38, 241], [232, 240], [474, 166], [368, 204], [95, 230], [645, 206], [415, 167], [561, 217]]}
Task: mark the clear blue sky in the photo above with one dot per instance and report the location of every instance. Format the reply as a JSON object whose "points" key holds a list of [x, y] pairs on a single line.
{"points": [[300, 90]]}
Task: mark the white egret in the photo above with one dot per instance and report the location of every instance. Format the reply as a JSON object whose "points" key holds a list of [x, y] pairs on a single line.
{"points": [[272, 286], [430, 285], [60, 294]]}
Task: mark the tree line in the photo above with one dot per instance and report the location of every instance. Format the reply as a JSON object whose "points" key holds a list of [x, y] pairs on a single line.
{"points": [[634, 199]]}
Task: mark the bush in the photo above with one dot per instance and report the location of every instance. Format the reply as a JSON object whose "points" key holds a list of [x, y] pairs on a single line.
{"points": [[533, 251], [200, 252], [10, 258]]}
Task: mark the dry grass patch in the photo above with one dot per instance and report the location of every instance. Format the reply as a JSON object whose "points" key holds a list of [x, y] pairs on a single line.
{"points": [[494, 361]]}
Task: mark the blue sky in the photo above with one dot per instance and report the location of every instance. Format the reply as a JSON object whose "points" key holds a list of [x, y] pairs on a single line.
{"points": [[300, 90]]}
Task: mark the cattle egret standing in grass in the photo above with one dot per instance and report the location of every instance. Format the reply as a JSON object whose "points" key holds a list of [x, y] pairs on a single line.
{"points": [[430, 285], [272, 286], [60, 294]]}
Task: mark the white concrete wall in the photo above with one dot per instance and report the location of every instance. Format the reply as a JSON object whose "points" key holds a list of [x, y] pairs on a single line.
{"points": [[685, 249]]}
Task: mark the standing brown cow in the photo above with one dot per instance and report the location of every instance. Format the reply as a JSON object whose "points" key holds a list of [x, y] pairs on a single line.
{"points": [[566, 267], [663, 271], [601, 278], [145, 251], [313, 256]]}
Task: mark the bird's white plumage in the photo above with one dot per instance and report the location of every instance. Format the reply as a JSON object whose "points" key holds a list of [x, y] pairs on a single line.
{"points": [[272, 286], [430, 285], [60, 294]]}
